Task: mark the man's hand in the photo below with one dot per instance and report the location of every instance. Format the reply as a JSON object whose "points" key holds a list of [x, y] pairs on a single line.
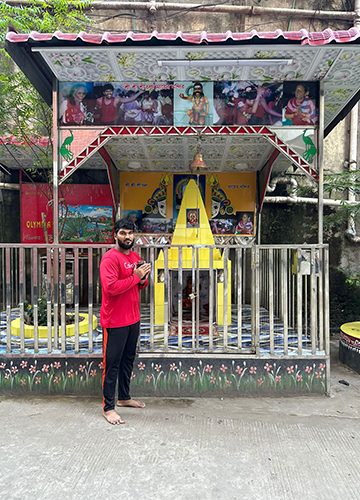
{"points": [[143, 271]]}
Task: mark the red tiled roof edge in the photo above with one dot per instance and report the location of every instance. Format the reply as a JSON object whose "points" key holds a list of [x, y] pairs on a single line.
{"points": [[303, 36]]}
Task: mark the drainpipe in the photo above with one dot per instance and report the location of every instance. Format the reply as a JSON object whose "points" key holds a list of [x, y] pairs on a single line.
{"points": [[298, 199], [7, 185], [350, 233], [252, 10], [283, 180], [292, 198]]}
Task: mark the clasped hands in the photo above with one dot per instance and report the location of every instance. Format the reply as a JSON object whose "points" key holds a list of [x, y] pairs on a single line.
{"points": [[143, 271]]}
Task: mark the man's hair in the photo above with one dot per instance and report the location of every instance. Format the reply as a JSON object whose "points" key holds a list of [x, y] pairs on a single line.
{"points": [[108, 86], [123, 224]]}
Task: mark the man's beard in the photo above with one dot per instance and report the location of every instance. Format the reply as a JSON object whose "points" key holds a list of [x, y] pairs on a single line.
{"points": [[125, 246]]}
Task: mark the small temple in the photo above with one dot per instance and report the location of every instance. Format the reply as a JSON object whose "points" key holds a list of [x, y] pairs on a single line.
{"points": [[192, 228]]}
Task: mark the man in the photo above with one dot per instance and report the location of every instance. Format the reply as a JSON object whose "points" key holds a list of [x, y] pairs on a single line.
{"points": [[121, 281], [108, 105]]}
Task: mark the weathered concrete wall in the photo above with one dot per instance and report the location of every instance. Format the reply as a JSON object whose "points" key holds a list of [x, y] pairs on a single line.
{"points": [[194, 22], [287, 23]]}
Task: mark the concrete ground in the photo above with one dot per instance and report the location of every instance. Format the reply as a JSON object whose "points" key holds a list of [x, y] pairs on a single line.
{"points": [[264, 448]]}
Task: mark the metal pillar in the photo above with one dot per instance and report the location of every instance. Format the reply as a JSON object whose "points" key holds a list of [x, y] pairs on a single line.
{"points": [[56, 137], [320, 160]]}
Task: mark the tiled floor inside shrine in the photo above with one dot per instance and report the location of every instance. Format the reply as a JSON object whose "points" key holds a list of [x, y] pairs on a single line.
{"points": [[187, 339]]}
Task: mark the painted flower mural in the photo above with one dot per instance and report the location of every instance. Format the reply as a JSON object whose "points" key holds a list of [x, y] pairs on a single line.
{"points": [[163, 377]]}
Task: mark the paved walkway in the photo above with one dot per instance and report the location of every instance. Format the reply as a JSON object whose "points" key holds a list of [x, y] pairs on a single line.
{"points": [[264, 448]]}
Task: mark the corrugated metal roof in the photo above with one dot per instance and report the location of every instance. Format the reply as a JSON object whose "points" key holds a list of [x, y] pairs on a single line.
{"points": [[302, 36]]}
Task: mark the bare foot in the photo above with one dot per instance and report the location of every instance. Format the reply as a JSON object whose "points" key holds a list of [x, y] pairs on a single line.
{"points": [[132, 403], [112, 417]]}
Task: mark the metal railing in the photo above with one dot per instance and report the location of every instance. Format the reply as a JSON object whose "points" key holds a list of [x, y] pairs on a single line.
{"points": [[256, 300]]}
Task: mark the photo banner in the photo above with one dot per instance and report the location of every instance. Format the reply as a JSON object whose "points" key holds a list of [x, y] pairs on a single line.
{"points": [[152, 201], [280, 104]]}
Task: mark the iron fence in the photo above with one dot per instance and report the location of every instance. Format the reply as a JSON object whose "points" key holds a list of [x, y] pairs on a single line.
{"points": [[255, 300]]}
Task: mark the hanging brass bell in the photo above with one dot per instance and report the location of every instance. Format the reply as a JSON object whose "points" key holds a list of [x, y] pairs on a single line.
{"points": [[197, 163]]}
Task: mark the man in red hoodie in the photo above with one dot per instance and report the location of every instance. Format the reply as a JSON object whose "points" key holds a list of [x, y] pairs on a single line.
{"points": [[121, 280]]}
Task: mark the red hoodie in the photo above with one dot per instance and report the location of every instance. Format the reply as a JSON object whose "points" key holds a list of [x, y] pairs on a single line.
{"points": [[120, 289]]}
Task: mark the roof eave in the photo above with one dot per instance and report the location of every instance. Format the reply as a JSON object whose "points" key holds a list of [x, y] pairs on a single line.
{"points": [[38, 75]]}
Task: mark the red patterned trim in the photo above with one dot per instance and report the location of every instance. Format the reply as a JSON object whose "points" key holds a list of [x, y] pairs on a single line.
{"points": [[106, 134]]}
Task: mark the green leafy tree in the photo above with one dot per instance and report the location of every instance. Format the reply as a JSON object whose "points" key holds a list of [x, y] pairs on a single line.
{"points": [[339, 186], [23, 113]]}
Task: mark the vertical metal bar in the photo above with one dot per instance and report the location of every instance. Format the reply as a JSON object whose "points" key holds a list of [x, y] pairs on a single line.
{"points": [[306, 304], [253, 304], [313, 302], [320, 162], [21, 298], [291, 289], [12, 280], [278, 284], [76, 297], [17, 278], [48, 298], [152, 296], [97, 267], [239, 252], [56, 297], [284, 301], [193, 324], [244, 273], [271, 299], [260, 274], [81, 277], [31, 278], [180, 287], [8, 300], [197, 295], [63, 298], [211, 300], [226, 298], [35, 297], [257, 298], [166, 298], [3, 268], [56, 157], [147, 289], [320, 252], [90, 298], [327, 316], [299, 302]]}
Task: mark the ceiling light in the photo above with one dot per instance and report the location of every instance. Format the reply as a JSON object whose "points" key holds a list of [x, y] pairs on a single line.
{"points": [[225, 62], [135, 165], [241, 166]]}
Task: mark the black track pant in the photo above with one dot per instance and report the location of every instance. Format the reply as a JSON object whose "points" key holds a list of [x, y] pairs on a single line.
{"points": [[119, 349]]}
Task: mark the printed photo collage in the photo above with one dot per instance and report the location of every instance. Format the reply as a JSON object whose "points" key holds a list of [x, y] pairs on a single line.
{"points": [[289, 103]]}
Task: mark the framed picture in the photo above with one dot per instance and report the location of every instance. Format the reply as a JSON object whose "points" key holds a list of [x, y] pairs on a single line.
{"points": [[192, 218]]}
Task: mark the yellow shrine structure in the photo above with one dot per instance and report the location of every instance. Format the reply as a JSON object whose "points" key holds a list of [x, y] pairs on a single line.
{"points": [[192, 228]]}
